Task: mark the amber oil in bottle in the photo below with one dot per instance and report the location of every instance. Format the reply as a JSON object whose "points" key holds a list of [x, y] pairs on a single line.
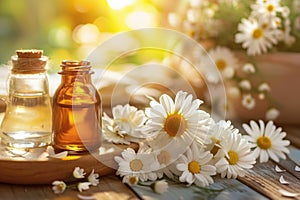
{"points": [[77, 110]]}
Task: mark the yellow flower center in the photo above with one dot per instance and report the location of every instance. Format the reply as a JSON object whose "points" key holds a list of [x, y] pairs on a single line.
{"points": [[136, 165], [194, 167], [61, 187], [257, 33], [265, 25], [270, 8], [221, 64], [163, 157], [215, 149], [175, 124], [233, 157], [132, 180], [264, 142]]}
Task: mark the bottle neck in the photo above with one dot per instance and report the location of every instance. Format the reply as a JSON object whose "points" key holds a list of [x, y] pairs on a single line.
{"points": [[71, 78], [76, 71]]}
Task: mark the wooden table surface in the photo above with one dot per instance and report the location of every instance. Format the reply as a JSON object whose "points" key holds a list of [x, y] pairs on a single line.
{"points": [[262, 182]]}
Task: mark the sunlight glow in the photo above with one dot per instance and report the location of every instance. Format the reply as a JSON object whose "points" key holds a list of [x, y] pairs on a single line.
{"points": [[119, 4], [140, 19], [86, 34]]}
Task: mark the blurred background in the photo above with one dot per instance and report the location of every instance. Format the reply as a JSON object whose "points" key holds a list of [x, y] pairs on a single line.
{"points": [[71, 29]]}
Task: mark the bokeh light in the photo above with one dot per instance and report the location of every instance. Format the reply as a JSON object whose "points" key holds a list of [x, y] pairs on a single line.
{"points": [[72, 28], [119, 4], [86, 34]]}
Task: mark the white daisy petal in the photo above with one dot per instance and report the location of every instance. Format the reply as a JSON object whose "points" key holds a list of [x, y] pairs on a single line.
{"points": [[283, 181], [277, 169], [297, 168], [288, 194]]}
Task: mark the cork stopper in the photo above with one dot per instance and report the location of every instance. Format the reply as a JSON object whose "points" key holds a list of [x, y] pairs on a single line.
{"points": [[29, 61], [31, 53]]}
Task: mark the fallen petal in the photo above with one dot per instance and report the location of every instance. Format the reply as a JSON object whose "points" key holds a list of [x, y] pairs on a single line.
{"points": [[297, 168], [83, 197], [287, 193], [59, 155], [283, 181], [277, 169]]}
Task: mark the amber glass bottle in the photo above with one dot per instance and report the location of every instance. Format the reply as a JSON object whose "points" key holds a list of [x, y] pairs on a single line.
{"points": [[77, 109]]}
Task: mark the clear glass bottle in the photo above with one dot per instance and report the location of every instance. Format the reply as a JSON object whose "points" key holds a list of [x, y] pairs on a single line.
{"points": [[28, 118], [77, 110]]}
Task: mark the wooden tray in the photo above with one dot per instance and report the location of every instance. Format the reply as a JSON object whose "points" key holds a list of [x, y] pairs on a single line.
{"points": [[47, 171]]}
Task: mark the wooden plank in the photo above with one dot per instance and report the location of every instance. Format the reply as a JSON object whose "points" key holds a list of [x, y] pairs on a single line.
{"points": [[265, 180], [236, 190], [109, 188], [293, 134], [290, 163]]}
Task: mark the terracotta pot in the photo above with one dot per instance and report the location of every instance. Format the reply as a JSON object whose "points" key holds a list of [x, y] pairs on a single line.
{"points": [[282, 72]]}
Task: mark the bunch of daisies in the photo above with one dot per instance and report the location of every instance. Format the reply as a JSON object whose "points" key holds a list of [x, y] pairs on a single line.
{"points": [[182, 142], [267, 25]]}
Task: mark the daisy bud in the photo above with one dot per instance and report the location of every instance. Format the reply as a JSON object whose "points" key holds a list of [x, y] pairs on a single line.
{"points": [[160, 186], [234, 92], [248, 101], [249, 68], [131, 180], [83, 186], [245, 84], [93, 178], [78, 172], [264, 87], [59, 187], [285, 11], [261, 96], [228, 72], [272, 114]]}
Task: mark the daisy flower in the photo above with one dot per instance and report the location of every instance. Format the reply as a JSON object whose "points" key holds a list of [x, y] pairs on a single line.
{"points": [[234, 92], [264, 87], [266, 8], [254, 37], [248, 101], [245, 84], [83, 186], [219, 132], [136, 164], [160, 186], [131, 180], [93, 178], [110, 131], [237, 157], [195, 167], [78, 172], [249, 68], [128, 118], [166, 161], [126, 124], [59, 187], [267, 140], [175, 123], [272, 113], [224, 60]]}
